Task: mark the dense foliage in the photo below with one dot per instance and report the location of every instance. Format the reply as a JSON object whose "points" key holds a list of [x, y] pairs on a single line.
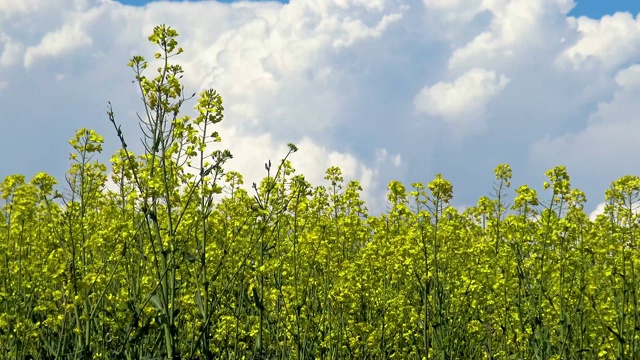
{"points": [[175, 259]]}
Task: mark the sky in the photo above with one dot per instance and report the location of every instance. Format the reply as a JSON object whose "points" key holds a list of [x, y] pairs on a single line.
{"points": [[144, 2], [384, 89], [590, 8]]}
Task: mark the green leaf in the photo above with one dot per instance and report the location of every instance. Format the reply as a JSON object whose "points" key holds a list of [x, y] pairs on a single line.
{"points": [[155, 299], [199, 303], [257, 300]]}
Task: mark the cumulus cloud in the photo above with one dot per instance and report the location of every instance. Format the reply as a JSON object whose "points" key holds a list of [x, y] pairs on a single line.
{"points": [[345, 80], [462, 101], [11, 52], [516, 28], [68, 38], [608, 42], [629, 78], [358, 30], [607, 125], [599, 210], [312, 160], [18, 7], [274, 65], [601, 151]]}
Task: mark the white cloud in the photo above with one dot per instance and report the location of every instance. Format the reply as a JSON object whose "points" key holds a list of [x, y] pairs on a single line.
{"points": [[599, 210], [455, 10], [382, 156], [517, 27], [12, 51], [12, 8], [251, 152], [609, 42], [344, 80], [602, 150], [357, 30], [273, 63], [18, 7], [462, 101], [68, 38], [629, 78], [312, 160]]}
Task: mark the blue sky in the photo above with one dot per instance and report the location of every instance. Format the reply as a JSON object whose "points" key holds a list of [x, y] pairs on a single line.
{"points": [[598, 8], [384, 89], [590, 8]]}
